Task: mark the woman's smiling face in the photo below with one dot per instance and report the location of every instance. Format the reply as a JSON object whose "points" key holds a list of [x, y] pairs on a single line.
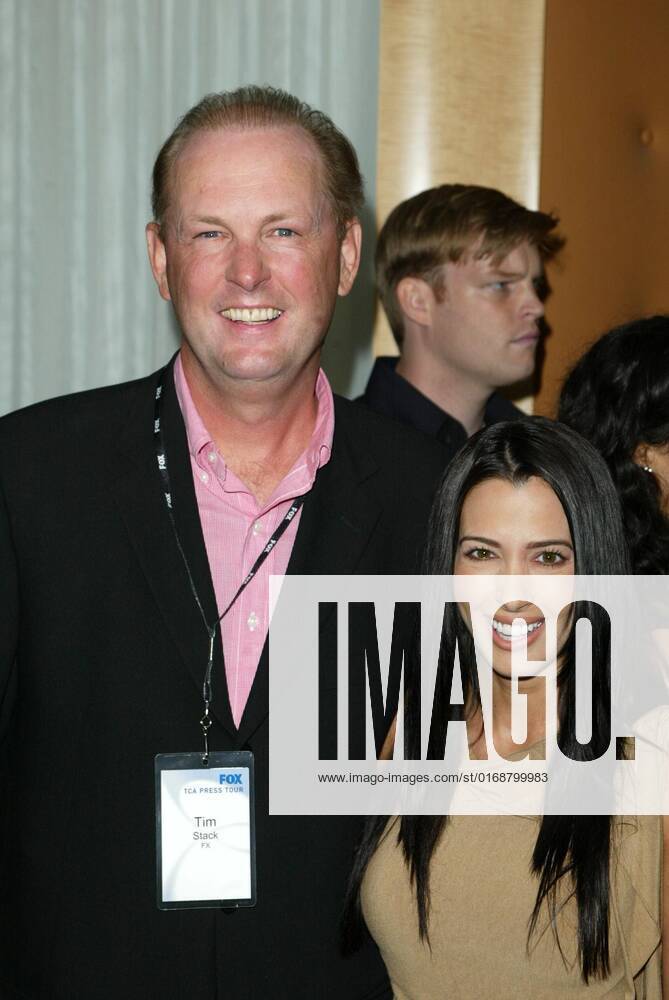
{"points": [[515, 530]]}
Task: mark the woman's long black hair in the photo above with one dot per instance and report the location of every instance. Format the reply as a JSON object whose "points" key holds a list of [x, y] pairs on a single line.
{"points": [[575, 847], [617, 396]]}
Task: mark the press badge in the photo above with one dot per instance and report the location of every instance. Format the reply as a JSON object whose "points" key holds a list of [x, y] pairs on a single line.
{"points": [[205, 830]]}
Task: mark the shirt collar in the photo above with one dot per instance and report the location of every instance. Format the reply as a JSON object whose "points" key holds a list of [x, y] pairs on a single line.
{"points": [[390, 393], [197, 434], [301, 477]]}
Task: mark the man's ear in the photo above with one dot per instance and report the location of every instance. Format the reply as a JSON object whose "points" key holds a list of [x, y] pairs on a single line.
{"points": [[157, 258], [415, 298], [349, 256]]}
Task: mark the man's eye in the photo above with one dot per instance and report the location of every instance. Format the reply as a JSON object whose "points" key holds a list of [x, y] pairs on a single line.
{"points": [[500, 286], [550, 558], [210, 234], [284, 231]]}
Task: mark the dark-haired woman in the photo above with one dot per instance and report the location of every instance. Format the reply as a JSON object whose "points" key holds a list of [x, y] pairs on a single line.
{"points": [[510, 907], [617, 396]]}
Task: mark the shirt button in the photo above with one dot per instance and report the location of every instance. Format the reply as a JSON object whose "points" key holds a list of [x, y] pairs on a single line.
{"points": [[252, 621], [204, 476], [212, 457], [257, 527]]}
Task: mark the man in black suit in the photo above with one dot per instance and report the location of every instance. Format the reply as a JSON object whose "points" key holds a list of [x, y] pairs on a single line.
{"points": [[126, 524], [460, 273]]}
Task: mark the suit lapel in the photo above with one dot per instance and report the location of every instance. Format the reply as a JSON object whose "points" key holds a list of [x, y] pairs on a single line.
{"points": [[336, 524], [139, 496]]}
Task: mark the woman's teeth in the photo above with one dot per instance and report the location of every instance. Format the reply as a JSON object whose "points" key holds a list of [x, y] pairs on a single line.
{"points": [[517, 630], [251, 315]]}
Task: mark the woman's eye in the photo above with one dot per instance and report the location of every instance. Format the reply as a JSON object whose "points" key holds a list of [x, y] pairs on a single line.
{"points": [[480, 553], [550, 558], [500, 286]]}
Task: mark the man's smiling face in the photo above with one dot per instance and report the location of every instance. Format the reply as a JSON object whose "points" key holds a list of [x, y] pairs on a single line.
{"points": [[249, 255]]}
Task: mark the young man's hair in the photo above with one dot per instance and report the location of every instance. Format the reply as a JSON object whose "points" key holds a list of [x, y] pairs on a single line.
{"points": [[256, 107], [443, 223]]}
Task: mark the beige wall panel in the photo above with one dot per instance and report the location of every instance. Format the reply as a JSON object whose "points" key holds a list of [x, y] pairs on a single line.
{"points": [[605, 169], [459, 100]]}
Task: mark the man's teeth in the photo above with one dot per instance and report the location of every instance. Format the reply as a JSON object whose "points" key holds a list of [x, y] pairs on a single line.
{"points": [[251, 315], [517, 630]]}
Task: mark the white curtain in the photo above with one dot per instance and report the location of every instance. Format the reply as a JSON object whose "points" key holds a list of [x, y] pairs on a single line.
{"points": [[89, 90]]}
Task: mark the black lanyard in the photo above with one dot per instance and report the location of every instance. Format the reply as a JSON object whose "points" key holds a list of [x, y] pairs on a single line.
{"points": [[161, 457]]}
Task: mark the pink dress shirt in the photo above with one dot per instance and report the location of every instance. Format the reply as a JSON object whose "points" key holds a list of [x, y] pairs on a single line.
{"points": [[236, 529]]}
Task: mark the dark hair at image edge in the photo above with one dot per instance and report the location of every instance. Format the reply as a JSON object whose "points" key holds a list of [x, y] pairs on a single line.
{"points": [[573, 847], [617, 396]]}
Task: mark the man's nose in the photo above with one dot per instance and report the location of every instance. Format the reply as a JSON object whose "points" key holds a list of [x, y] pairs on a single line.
{"points": [[246, 266], [532, 302]]}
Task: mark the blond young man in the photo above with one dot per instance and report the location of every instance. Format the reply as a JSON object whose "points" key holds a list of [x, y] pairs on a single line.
{"points": [[460, 273]]}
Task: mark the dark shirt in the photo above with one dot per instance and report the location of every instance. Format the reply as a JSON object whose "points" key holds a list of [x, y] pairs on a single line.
{"points": [[390, 394]]}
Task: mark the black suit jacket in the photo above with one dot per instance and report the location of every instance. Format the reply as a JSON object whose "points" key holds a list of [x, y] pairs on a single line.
{"points": [[387, 392], [102, 651]]}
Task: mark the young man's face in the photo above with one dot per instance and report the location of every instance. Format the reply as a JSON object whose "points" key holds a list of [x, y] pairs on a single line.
{"points": [[486, 326]]}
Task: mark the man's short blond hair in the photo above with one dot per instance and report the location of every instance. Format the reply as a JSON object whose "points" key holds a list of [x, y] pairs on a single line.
{"points": [[256, 107], [442, 224]]}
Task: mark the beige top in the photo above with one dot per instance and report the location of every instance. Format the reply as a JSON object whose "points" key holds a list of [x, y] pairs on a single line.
{"points": [[482, 897]]}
